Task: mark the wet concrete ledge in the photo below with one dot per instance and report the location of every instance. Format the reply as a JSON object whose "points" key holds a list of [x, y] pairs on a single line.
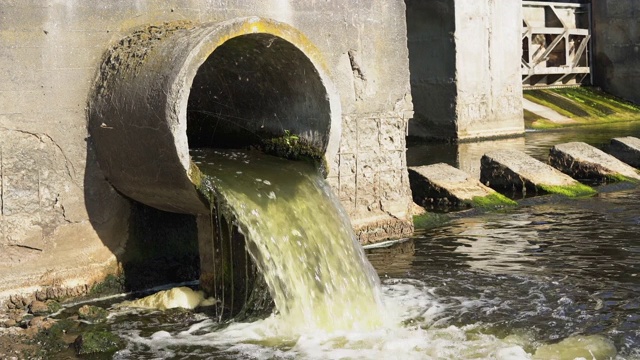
{"points": [[444, 187], [626, 149], [514, 171], [589, 164]]}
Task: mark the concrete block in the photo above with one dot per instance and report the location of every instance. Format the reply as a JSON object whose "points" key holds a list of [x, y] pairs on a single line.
{"points": [[443, 186], [587, 163], [626, 149], [513, 170]]}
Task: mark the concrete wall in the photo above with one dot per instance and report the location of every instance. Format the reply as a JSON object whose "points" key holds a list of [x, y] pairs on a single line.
{"points": [[62, 224], [616, 47], [465, 68]]}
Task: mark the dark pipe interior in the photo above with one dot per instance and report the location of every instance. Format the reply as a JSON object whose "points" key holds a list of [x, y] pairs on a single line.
{"points": [[254, 87]]}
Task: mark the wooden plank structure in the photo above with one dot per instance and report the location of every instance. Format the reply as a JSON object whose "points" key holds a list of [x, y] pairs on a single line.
{"points": [[555, 44]]}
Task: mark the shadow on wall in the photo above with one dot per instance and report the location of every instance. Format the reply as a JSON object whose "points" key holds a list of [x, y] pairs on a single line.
{"points": [[153, 247], [432, 64]]}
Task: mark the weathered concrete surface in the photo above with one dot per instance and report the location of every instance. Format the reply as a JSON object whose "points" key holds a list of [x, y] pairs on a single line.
{"points": [[626, 149], [513, 170], [465, 74], [585, 162], [616, 47], [443, 186], [61, 221]]}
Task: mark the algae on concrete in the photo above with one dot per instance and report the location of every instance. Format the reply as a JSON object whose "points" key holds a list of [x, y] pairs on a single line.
{"points": [[96, 342], [493, 200], [584, 105], [576, 190], [429, 220]]}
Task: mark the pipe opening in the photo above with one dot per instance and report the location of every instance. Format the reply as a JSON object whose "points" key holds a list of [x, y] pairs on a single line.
{"points": [[255, 87]]}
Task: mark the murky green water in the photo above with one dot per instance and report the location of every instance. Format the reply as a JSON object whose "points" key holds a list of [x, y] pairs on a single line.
{"points": [[550, 271]]}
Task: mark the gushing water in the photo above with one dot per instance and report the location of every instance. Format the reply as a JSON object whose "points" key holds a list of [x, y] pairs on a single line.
{"points": [[300, 238], [438, 304]]}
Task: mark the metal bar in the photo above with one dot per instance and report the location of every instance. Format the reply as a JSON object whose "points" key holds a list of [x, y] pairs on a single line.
{"points": [[564, 24], [543, 3], [589, 50], [553, 31], [581, 48], [552, 46]]}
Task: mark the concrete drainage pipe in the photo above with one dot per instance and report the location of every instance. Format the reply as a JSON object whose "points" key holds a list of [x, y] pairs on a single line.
{"points": [[165, 89]]}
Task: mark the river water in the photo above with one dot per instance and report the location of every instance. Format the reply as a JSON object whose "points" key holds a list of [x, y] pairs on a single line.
{"points": [[552, 278]]}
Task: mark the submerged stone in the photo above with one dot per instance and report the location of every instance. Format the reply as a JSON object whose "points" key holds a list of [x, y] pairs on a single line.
{"points": [[179, 297], [585, 162], [97, 341], [513, 170], [443, 186], [578, 347], [626, 149], [92, 313], [38, 308]]}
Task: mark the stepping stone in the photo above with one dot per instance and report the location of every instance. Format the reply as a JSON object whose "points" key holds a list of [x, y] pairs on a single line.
{"points": [[513, 170], [443, 186], [626, 149], [585, 162]]}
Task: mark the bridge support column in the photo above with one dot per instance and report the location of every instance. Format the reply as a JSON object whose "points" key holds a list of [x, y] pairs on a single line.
{"points": [[465, 68]]}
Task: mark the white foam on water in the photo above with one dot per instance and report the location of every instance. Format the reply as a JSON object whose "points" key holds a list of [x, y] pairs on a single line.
{"points": [[407, 302], [413, 333]]}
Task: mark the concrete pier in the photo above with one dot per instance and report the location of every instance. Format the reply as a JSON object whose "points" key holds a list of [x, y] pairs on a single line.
{"points": [[587, 163], [626, 149], [465, 68]]}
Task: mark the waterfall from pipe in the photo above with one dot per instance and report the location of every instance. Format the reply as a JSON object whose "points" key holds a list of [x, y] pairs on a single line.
{"points": [[299, 236]]}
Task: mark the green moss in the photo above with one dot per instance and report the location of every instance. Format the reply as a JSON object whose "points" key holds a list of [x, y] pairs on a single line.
{"points": [[584, 105], [112, 284], [53, 306], [429, 220], [561, 105], [92, 313], [577, 190], [96, 342], [544, 124], [292, 147], [530, 118], [621, 178], [51, 341], [493, 200]]}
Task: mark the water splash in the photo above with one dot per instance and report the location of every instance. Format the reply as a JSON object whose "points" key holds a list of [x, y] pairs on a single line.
{"points": [[299, 237]]}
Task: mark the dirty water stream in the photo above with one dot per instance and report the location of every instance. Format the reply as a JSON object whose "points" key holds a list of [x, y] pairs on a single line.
{"points": [[551, 279]]}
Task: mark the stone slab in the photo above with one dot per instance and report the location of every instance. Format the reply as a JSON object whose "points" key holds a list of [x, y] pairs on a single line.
{"points": [[444, 186], [626, 149], [513, 170], [587, 163]]}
